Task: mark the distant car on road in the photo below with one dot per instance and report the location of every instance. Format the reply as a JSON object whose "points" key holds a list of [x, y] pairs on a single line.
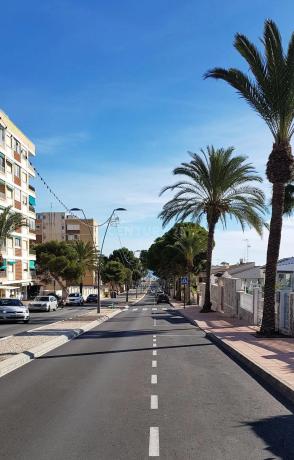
{"points": [[74, 299], [13, 310], [44, 303], [92, 298], [162, 298]]}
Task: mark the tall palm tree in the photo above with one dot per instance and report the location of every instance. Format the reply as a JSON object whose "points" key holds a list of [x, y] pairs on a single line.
{"points": [[190, 243], [9, 222], [217, 185], [271, 94], [86, 258]]}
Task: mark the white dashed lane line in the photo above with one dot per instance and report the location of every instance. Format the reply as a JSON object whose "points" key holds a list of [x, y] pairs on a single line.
{"points": [[154, 352], [154, 379], [154, 402], [154, 363], [154, 441]]}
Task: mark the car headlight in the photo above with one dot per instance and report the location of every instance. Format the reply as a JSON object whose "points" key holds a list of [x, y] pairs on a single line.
{"points": [[4, 311]]}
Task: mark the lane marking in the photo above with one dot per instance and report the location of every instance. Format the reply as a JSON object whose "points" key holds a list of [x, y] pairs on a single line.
{"points": [[164, 309], [154, 441], [154, 308], [135, 309], [144, 309], [154, 340], [154, 322], [154, 363], [154, 345], [154, 336], [154, 352], [154, 379], [154, 402]]}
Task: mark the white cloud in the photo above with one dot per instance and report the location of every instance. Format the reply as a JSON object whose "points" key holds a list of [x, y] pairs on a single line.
{"points": [[52, 144]]}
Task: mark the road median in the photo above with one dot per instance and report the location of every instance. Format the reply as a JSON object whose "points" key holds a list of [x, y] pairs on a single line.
{"points": [[20, 349]]}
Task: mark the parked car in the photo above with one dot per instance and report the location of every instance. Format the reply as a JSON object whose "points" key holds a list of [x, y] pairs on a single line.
{"points": [[43, 303], [13, 310], [92, 298], [162, 298], [74, 299], [60, 300]]}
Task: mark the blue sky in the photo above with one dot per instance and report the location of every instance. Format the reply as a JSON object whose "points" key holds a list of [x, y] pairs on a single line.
{"points": [[112, 94]]}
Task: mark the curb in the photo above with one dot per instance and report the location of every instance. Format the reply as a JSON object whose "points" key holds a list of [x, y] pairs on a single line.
{"points": [[265, 377], [19, 360]]}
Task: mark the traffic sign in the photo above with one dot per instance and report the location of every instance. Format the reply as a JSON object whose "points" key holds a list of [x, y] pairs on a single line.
{"points": [[184, 280]]}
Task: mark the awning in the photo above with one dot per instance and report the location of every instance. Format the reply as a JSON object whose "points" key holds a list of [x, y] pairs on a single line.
{"points": [[11, 262], [9, 287], [32, 200], [32, 264]]}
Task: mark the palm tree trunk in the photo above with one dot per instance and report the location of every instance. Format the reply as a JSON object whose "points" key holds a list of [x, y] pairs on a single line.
{"points": [[268, 319], [207, 303]]}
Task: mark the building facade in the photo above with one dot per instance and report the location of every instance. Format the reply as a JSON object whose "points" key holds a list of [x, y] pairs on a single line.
{"points": [[18, 259], [61, 227]]}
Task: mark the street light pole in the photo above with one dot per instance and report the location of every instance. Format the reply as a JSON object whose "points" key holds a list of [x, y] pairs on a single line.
{"points": [[99, 259]]}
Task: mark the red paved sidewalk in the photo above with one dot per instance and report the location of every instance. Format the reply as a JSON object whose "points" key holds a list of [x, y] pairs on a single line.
{"points": [[273, 357]]}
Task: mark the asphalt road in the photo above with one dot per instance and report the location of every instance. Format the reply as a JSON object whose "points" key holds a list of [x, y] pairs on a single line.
{"points": [[145, 383], [43, 318]]}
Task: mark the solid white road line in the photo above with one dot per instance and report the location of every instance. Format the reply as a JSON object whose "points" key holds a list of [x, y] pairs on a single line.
{"points": [[154, 352], [154, 441], [154, 402], [154, 379], [154, 363]]}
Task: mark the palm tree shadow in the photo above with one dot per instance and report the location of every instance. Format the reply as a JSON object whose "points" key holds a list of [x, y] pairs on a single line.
{"points": [[278, 435]]}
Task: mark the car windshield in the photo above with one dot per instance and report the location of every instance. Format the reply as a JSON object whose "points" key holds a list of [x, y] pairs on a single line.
{"points": [[74, 295], [11, 302], [42, 298]]}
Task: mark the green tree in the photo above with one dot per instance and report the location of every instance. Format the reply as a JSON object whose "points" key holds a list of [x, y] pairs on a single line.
{"points": [[271, 94], [9, 222], [113, 272], [216, 185], [289, 200], [190, 242], [58, 260], [86, 259]]}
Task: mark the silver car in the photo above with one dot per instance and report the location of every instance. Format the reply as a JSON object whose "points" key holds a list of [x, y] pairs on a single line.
{"points": [[74, 299], [44, 303], [13, 310]]}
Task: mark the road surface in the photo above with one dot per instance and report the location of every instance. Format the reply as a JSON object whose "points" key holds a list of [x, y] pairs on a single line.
{"points": [[144, 384]]}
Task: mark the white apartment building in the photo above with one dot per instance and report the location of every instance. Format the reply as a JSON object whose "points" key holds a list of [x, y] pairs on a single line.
{"points": [[18, 265]]}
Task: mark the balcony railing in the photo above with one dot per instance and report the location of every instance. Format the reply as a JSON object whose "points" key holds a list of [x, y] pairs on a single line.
{"points": [[31, 208], [32, 188]]}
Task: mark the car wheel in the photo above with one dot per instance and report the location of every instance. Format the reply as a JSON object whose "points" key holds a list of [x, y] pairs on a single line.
{"points": [[49, 308]]}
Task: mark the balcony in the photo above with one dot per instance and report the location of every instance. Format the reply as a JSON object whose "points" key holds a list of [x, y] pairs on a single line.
{"points": [[32, 188], [32, 209]]}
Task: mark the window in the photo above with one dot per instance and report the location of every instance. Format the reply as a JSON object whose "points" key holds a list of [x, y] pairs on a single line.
{"points": [[17, 242], [73, 227], [17, 171], [2, 161], [9, 167], [2, 134], [16, 145], [72, 237], [32, 225], [10, 268], [9, 193], [24, 177], [17, 195], [24, 199], [25, 266], [2, 189], [24, 153]]}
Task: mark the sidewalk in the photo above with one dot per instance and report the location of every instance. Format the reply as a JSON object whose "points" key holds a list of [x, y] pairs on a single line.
{"points": [[270, 359], [22, 348]]}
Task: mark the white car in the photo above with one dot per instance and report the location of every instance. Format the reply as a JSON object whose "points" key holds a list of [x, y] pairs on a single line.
{"points": [[74, 299], [13, 310], [44, 303]]}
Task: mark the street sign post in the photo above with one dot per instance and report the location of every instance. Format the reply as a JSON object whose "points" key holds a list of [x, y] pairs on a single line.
{"points": [[184, 282]]}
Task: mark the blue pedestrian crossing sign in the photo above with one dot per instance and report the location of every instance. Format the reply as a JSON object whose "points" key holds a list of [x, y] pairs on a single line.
{"points": [[184, 280]]}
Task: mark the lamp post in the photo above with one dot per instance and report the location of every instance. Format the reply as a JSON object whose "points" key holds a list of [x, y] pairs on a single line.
{"points": [[137, 250], [99, 256]]}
